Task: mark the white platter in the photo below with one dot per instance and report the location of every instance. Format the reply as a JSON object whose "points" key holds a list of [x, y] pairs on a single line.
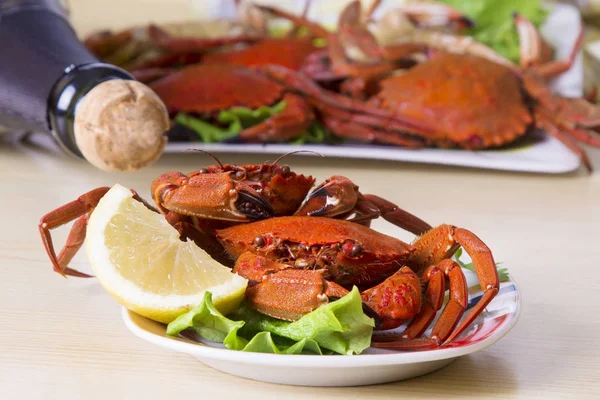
{"points": [[373, 366], [545, 156]]}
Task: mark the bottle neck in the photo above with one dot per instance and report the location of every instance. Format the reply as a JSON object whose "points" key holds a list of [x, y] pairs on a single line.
{"points": [[68, 91]]}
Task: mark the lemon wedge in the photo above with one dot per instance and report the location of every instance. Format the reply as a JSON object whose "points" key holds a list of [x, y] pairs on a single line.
{"points": [[140, 261]]}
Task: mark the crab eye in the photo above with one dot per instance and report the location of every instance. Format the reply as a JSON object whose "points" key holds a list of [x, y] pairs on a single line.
{"points": [[353, 249], [240, 174], [356, 250], [285, 171], [259, 241], [203, 171]]}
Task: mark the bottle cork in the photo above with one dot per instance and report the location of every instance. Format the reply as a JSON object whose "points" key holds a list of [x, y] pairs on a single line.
{"points": [[121, 125]]}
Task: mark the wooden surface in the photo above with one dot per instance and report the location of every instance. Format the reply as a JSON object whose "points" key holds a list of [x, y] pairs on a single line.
{"points": [[64, 339]]}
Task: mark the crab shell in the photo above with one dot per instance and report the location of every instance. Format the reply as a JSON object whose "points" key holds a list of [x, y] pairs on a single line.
{"points": [[210, 88], [202, 192], [288, 52], [282, 188], [466, 100], [351, 254]]}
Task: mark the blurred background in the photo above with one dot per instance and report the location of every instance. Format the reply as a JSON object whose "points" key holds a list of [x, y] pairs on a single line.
{"points": [[87, 18], [156, 40]]}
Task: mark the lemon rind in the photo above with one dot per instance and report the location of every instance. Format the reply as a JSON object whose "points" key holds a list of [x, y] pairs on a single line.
{"points": [[126, 291]]}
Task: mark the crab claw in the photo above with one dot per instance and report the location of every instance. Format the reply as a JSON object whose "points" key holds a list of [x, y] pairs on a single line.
{"points": [[214, 196], [396, 299], [335, 196], [434, 14], [252, 205]]}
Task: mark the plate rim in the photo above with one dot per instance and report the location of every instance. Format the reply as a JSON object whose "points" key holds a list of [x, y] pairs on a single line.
{"points": [[200, 350]]}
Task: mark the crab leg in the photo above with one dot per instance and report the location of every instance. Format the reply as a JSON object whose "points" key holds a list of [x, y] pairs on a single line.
{"points": [[576, 130], [304, 85], [530, 42], [450, 317], [434, 278], [80, 210], [579, 112], [339, 61], [369, 135], [371, 128], [428, 14], [338, 195], [448, 238], [548, 125], [397, 216], [295, 119], [434, 14], [316, 29], [434, 247], [532, 46], [352, 32], [564, 118]]}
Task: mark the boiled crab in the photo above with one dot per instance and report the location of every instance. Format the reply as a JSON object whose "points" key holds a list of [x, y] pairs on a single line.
{"points": [[468, 97], [205, 90], [300, 248], [296, 264], [222, 195]]}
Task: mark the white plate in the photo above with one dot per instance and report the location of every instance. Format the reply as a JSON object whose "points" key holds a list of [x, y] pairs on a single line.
{"points": [[373, 366], [546, 156]]}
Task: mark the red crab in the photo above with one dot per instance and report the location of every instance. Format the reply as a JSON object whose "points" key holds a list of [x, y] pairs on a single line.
{"points": [[226, 194], [205, 90], [369, 60], [477, 100], [296, 264]]}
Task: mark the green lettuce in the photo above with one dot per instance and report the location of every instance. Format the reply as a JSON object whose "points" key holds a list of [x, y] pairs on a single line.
{"points": [[233, 120], [339, 327], [494, 25]]}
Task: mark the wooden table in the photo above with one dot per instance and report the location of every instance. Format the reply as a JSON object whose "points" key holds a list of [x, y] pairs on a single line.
{"points": [[65, 339]]}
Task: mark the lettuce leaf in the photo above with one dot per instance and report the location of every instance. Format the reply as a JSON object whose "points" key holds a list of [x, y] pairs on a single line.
{"points": [[233, 120], [340, 327], [243, 117], [494, 25], [206, 321]]}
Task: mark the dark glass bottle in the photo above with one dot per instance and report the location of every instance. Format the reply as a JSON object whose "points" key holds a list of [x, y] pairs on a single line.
{"points": [[45, 70]]}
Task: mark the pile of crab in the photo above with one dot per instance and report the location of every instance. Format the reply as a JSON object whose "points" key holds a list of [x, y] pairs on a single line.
{"points": [[301, 248], [409, 79]]}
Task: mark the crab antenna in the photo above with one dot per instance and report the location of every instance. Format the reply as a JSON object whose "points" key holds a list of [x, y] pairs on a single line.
{"points": [[297, 151], [210, 154]]}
